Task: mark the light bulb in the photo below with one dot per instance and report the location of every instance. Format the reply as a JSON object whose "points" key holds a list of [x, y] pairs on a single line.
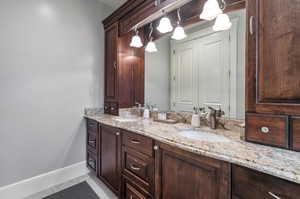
{"points": [[151, 47], [165, 25], [222, 23], [211, 10], [136, 41], [179, 33]]}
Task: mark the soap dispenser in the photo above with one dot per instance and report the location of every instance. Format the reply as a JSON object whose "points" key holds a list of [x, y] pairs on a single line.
{"points": [[146, 112], [195, 118]]}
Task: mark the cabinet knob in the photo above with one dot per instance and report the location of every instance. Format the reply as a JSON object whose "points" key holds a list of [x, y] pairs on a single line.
{"points": [[156, 148], [265, 129], [105, 107], [112, 108], [117, 133], [274, 195]]}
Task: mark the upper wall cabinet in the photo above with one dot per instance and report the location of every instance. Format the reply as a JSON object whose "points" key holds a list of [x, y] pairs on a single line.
{"points": [[124, 71], [273, 77], [111, 63]]}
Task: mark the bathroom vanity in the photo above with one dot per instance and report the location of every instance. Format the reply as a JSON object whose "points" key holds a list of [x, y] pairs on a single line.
{"points": [[249, 71]]}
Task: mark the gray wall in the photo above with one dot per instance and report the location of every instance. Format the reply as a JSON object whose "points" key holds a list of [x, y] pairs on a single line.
{"points": [[157, 73], [51, 67]]}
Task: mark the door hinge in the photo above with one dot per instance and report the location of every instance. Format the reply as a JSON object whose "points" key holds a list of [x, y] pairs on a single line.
{"points": [[229, 37], [174, 78], [229, 73], [174, 52], [174, 104]]}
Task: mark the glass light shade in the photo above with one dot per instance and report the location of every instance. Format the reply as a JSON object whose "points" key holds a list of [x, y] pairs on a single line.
{"points": [[136, 41], [179, 33], [211, 10], [151, 47], [165, 25], [222, 23]]}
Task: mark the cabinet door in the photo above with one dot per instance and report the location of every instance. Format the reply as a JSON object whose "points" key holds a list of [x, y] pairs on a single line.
{"points": [[111, 63], [110, 147], [273, 56], [182, 175]]}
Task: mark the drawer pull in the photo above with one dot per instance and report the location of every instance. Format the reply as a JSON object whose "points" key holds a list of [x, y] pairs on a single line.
{"points": [[265, 129], [117, 133], [133, 167], [133, 141], [92, 142], [156, 148], [274, 196], [251, 25]]}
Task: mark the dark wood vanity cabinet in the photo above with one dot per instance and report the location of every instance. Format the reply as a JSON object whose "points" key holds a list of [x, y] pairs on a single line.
{"points": [[248, 184], [273, 83], [183, 175], [110, 157]]}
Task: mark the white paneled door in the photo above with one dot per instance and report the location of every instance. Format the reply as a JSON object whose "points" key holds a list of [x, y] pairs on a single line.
{"points": [[200, 71]]}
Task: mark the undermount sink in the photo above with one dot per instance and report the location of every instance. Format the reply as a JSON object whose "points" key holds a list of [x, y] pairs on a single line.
{"points": [[125, 119], [202, 136]]}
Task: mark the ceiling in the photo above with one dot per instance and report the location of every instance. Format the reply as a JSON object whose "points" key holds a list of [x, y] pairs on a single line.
{"points": [[113, 3]]}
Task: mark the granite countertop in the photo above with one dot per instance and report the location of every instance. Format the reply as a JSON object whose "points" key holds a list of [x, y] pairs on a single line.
{"points": [[222, 145]]}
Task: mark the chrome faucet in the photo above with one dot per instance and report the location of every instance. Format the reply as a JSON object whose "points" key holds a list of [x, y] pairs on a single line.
{"points": [[214, 117]]}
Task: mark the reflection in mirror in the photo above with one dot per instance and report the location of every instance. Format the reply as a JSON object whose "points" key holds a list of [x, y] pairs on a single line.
{"points": [[207, 68]]}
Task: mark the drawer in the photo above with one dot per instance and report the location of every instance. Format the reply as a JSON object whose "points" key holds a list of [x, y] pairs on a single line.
{"points": [[114, 108], [295, 129], [248, 184], [92, 126], [140, 143], [267, 129], [92, 142], [139, 167], [111, 108], [133, 191], [91, 161]]}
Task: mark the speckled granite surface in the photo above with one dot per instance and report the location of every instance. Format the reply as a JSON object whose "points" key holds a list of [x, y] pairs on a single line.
{"points": [[228, 146]]}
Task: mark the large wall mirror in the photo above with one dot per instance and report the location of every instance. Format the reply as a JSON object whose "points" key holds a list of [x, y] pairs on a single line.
{"points": [[207, 68]]}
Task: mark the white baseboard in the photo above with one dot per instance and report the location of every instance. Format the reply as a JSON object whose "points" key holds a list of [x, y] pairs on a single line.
{"points": [[39, 183]]}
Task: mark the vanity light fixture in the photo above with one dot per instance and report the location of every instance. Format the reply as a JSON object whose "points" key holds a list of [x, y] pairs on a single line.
{"points": [[222, 22], [211, 10], [151, 47], [178, 33], [165, 25], [136, 41]]}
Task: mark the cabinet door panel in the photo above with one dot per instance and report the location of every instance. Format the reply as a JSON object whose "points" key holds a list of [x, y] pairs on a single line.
{"points": [[182, 175], [111, 64], [296, 133], [273, 56], [110, 156]]}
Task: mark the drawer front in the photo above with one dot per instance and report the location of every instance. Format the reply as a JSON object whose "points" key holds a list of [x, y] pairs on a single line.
{"points": [[295, 133], [92, 142], [139, 167], [91, 161], [138, 142], [132, 191], [92, 126], [267, 129], [114, 108], [111, 108], [247, 184]]}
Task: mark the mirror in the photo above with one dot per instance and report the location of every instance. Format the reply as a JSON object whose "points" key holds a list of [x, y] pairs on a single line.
{"points": [[207, 68]]}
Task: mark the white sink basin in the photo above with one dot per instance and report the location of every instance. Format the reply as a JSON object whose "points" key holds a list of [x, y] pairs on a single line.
{"points": [[202, 136], [126, 119]]}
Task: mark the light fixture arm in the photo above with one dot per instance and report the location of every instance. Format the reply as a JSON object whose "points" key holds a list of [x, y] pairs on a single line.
{"points": [[223, 6], [151, 31], [178, 15]]}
